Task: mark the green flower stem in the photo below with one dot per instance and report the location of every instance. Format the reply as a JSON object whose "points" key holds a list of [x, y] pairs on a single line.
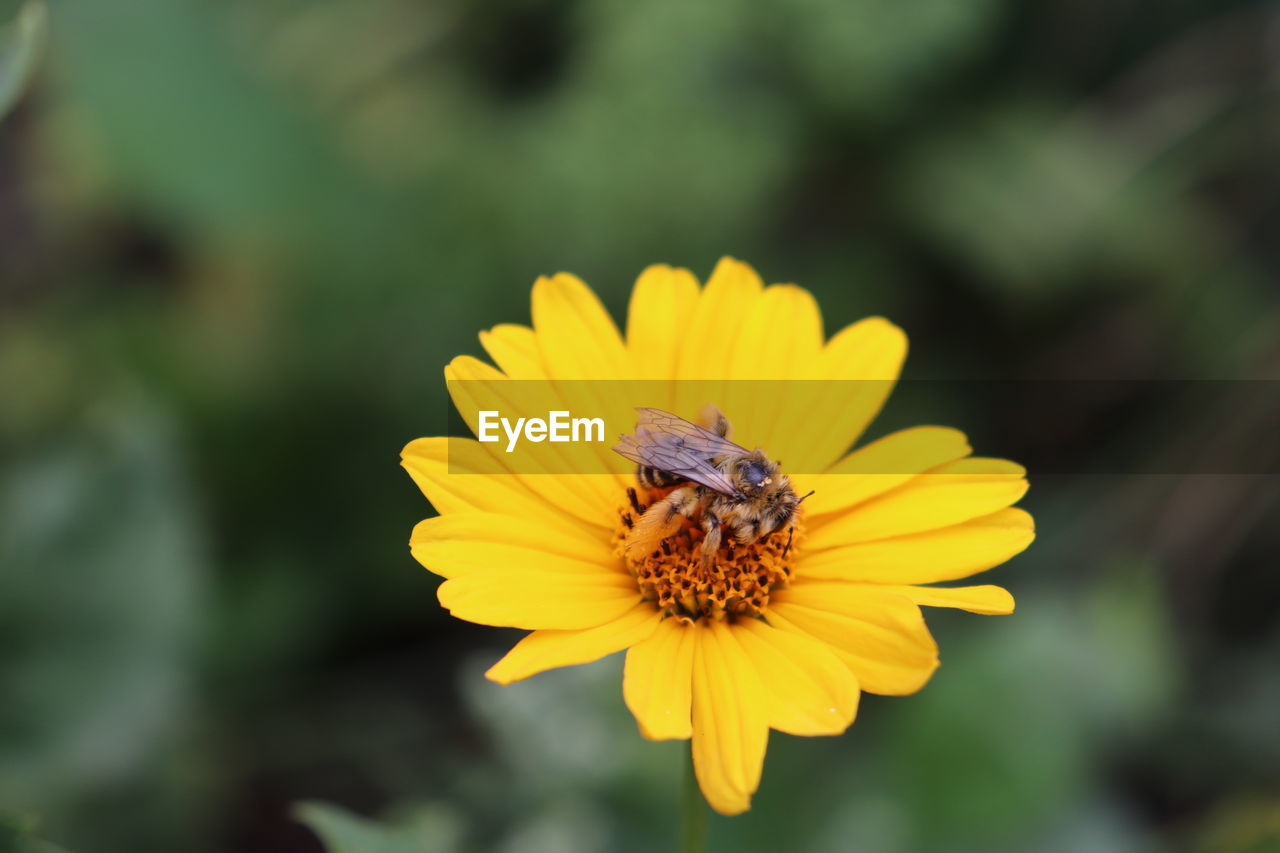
{"points": [[693, 812]]}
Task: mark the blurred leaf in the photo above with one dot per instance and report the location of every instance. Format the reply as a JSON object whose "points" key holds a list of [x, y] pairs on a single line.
{"points": [[550, 790], [871, 58], [564, 827], [555, 727], [429, 830], [16, 837], [20, 43], [178, 139], [1034, 202], [102, 571], [1134, 677], [991, 747], [998, 742]]}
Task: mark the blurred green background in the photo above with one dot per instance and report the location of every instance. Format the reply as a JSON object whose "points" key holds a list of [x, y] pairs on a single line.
{"points": [[240, 238]]}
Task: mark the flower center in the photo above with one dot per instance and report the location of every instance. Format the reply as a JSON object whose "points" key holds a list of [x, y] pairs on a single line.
{"points": [[737, 583]]}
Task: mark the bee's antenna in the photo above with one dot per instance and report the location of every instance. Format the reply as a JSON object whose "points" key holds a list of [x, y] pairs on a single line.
{"points": [[802, 499]]}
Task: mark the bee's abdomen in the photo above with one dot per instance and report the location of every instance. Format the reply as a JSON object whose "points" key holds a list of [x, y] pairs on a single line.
{"points": [[652, 478]]}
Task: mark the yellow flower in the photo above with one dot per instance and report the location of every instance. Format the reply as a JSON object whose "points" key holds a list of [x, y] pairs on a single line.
{"points": [[773, 640]]}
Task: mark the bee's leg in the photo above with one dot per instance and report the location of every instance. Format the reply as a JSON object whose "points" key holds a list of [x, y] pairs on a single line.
{"points": [[713, 529], [661, 520], [746, 532], [791, 531]]}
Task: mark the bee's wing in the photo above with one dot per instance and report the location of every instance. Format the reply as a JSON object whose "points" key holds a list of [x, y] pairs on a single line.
{"points": [[678, 447]]}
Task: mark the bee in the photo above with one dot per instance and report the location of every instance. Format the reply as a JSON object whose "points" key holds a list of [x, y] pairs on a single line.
{"points": [[729, 490]]}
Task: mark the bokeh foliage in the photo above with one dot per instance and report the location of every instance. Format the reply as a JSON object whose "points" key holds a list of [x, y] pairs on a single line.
{"points": [[240, 239]]}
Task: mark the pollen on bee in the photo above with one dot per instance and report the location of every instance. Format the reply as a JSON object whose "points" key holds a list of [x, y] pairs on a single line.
{"points": [[737, 584]]}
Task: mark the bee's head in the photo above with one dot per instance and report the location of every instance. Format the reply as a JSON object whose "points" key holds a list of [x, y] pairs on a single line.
{"points": [[755, 474]]}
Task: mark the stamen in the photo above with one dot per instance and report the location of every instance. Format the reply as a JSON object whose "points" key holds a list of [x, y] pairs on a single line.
{"points": [[738, 582]]}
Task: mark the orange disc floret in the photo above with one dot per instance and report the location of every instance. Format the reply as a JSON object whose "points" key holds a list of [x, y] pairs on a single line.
{"points": [[737, 583]]}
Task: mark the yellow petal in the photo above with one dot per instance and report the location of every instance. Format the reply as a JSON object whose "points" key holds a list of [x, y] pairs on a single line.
{"points": [[458, 543], [661, 309], [990, 600], [949, 553], [880, 636], [448, 470], [657, 682], [730, 721], [565, 474], [776, 346], [722, 308], [810, 690], [475, 386], [536, 599], [950, 494], [882, 465], [707, 354], [579, 341], [576, 335], [515, 350], [856, 371], [780, 336], [543, 650]]}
